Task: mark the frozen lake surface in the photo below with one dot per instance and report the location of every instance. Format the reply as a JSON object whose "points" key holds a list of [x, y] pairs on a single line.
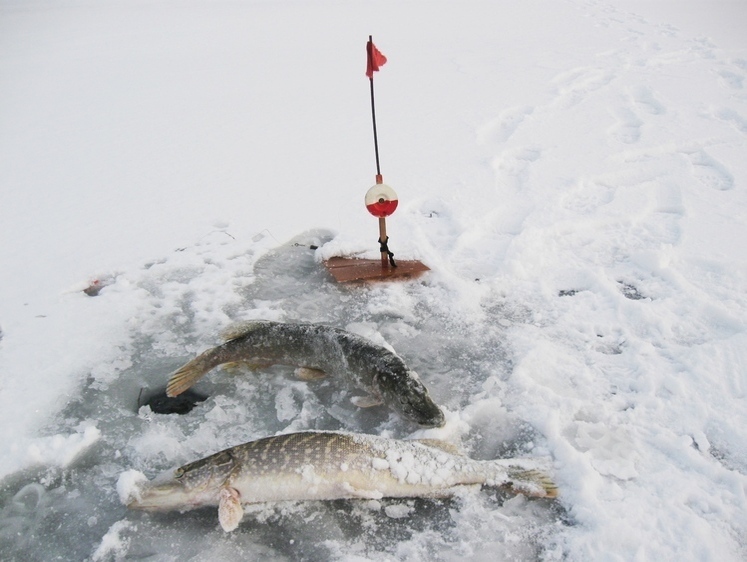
{"points": [[573, 174]]}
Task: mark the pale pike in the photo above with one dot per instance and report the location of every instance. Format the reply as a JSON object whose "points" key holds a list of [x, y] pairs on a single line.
{"points": [[328, 465], [320, 349]]}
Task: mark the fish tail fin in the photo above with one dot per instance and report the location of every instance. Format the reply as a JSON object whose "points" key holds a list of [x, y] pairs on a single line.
{"points": [[524, 476], [190, 373], [534, 483]]}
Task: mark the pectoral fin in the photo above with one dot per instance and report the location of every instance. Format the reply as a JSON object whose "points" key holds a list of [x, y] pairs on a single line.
{"points": [[361, 493], [230, 511], [366, 401], [309, 374]]}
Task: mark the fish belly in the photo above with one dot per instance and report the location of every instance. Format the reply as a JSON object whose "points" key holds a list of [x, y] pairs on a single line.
{"points": [[309, 483]]}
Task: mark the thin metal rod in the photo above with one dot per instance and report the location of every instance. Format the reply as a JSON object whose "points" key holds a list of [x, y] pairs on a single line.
{"points": [[373, 106]]}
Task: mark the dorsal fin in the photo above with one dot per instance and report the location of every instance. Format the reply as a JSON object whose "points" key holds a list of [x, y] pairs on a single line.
{"points": [[443, 445], [241, 329]]}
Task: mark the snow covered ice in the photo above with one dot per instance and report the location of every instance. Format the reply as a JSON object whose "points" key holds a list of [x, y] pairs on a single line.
{"points": [[573, 174]]}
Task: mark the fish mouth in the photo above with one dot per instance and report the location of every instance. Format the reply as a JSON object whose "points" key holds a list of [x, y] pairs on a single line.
{"points": [[436, 420], [424, 414], [157, 496]]}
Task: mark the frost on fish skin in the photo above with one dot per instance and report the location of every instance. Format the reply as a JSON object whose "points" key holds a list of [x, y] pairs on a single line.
{"points": [[380, 464], [319, 465]]}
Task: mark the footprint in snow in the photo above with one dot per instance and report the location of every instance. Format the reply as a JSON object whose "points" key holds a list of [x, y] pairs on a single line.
{"points": [[668, 30], [501, 129], [709, 171], [586, 196], [703, 47], [644, 99], [628, 127], [575, 85], [732, 117], [731, 79], [511, 167]]}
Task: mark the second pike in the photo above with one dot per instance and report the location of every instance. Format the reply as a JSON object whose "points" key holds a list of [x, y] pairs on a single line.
{"points": [[317, 348], [321, 465]]}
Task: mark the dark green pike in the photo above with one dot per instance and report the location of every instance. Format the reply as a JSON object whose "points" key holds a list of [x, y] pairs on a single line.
{"points": [[333, 351]]}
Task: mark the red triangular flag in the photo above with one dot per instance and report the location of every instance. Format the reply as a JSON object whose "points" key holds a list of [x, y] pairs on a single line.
{"points": [[375, 59]]}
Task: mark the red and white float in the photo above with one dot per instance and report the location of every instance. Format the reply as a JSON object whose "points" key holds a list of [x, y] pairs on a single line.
{"points": [[381, 200]]}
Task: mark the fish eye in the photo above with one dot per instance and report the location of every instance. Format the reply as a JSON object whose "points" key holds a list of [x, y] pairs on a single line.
{"points": [[178, 473]]}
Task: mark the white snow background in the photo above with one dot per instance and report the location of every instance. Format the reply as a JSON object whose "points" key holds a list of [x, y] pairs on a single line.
{"points": [[573, 172]]}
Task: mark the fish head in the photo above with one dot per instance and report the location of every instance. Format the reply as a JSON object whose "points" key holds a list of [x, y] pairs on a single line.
{"points": [[189, 486], [164, 493], [404, 391]]}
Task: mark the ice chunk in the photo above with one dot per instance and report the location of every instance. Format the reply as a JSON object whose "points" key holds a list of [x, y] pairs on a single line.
{"points": [[62, 450], [128, 485]]}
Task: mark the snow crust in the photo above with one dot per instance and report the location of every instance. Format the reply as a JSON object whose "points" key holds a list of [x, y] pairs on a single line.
{"points": [[573, 174]]}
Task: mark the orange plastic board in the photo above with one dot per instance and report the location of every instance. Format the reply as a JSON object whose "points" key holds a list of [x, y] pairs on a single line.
{"points": [[354, 269]]}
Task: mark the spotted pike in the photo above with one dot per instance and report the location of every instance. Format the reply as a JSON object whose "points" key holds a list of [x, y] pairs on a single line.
{"points": [[318, 349], [327, 465]]}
